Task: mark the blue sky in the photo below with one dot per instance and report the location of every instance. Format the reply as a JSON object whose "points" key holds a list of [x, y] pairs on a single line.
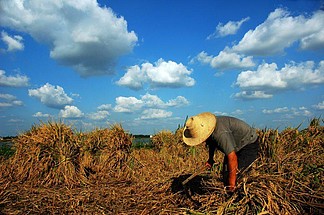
{"points": [[149, 64]]}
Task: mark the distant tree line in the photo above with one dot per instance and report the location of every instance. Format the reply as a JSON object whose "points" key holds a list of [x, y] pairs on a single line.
{"points": [[7, 138], [141, 136]]}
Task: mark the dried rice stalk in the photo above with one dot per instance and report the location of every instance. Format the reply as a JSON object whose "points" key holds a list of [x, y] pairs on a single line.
{"points": [[47, 155]]}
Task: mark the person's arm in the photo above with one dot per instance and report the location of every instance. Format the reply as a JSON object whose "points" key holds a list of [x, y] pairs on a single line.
{"points": [[232, 170], [211, 151]]}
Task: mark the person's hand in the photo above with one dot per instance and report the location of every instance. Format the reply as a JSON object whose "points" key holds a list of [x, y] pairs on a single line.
{"points": [[229, 191], [209, 164]]}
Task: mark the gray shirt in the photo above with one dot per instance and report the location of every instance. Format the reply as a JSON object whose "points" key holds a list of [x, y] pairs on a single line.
{"points": [[231, 134]]}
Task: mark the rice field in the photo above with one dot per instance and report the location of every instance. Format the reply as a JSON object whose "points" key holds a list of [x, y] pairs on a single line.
{"points": [[57, 170]]}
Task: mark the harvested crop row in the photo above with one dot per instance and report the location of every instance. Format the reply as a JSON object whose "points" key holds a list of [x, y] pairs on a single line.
{"points": [[56, 170]]}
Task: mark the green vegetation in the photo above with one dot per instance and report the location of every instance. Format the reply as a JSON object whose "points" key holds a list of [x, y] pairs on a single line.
{"points": [[6, 151], [142, 141]]}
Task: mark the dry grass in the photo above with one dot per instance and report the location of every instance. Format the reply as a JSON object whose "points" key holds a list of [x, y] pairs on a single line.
{"points": [[58, 171], [46, 155]]}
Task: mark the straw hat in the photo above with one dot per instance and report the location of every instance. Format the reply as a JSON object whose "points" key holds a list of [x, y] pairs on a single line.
{"points": [[199, 128]]}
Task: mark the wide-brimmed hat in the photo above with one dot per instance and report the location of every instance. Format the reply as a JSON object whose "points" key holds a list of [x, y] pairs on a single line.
{"points": [[198, 128]]}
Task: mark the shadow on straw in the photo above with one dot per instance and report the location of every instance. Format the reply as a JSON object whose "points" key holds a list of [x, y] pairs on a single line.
{"points": [[194, 186]]}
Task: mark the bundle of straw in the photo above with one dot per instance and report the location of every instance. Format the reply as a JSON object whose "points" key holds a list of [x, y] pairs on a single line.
{"points": [[106, 151], [161, 139], [47, 155]]}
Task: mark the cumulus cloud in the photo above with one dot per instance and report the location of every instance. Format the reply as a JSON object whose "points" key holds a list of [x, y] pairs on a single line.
{"points": [[280, 30], [155, 114], [51, 96], [290, 76], [9, 100], [179, 101], [15, 120], [313, 42], [80, 34], [220, 113], [127, 104], [13, 81], [133, 79], [276, 110], [319, 106], [41, 115], [236, 112], [247, 95], [229, 28], [161, 74], [301, 111], [226, 60], [5, 104], [71, 112], [99, 115], [154, 101], [132, 104], [105, 107], [289, 112], [7, 96], [14, 43], [268, 78]]}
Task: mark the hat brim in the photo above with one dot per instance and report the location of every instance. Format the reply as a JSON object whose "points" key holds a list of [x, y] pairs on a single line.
{"points": [[209, 120]]}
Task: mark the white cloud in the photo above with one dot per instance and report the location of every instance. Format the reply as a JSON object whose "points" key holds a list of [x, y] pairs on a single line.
{"points": [[13, 81], [41, 115], [9, 100], [7, 96], [14, 43], [127, 104], [133, 79], [99, 115], [313, 42], [71, 112], [51, 96], [132, 104], [289, 112], [81, 34], [105, 107], [301, 111], [280, 31], [238, 112], [15, 120], [252, 95], [268, 78], [17, 103], [229, 28], [152, 101], [319, 106], [226, 60], [179, 101], [5, 104], [276, 110], [219, 113], [161, 74], [155, 114]]}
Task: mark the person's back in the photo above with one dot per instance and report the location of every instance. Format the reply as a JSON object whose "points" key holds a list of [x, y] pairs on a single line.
{"points": [[232, 134]]}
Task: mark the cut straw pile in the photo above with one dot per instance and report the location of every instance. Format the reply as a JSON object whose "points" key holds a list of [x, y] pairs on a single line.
{"points": [[58, 171]]}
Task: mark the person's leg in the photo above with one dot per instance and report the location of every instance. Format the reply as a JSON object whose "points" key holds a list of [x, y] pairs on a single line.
{"points": [[225, 172], [247, 155]]}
